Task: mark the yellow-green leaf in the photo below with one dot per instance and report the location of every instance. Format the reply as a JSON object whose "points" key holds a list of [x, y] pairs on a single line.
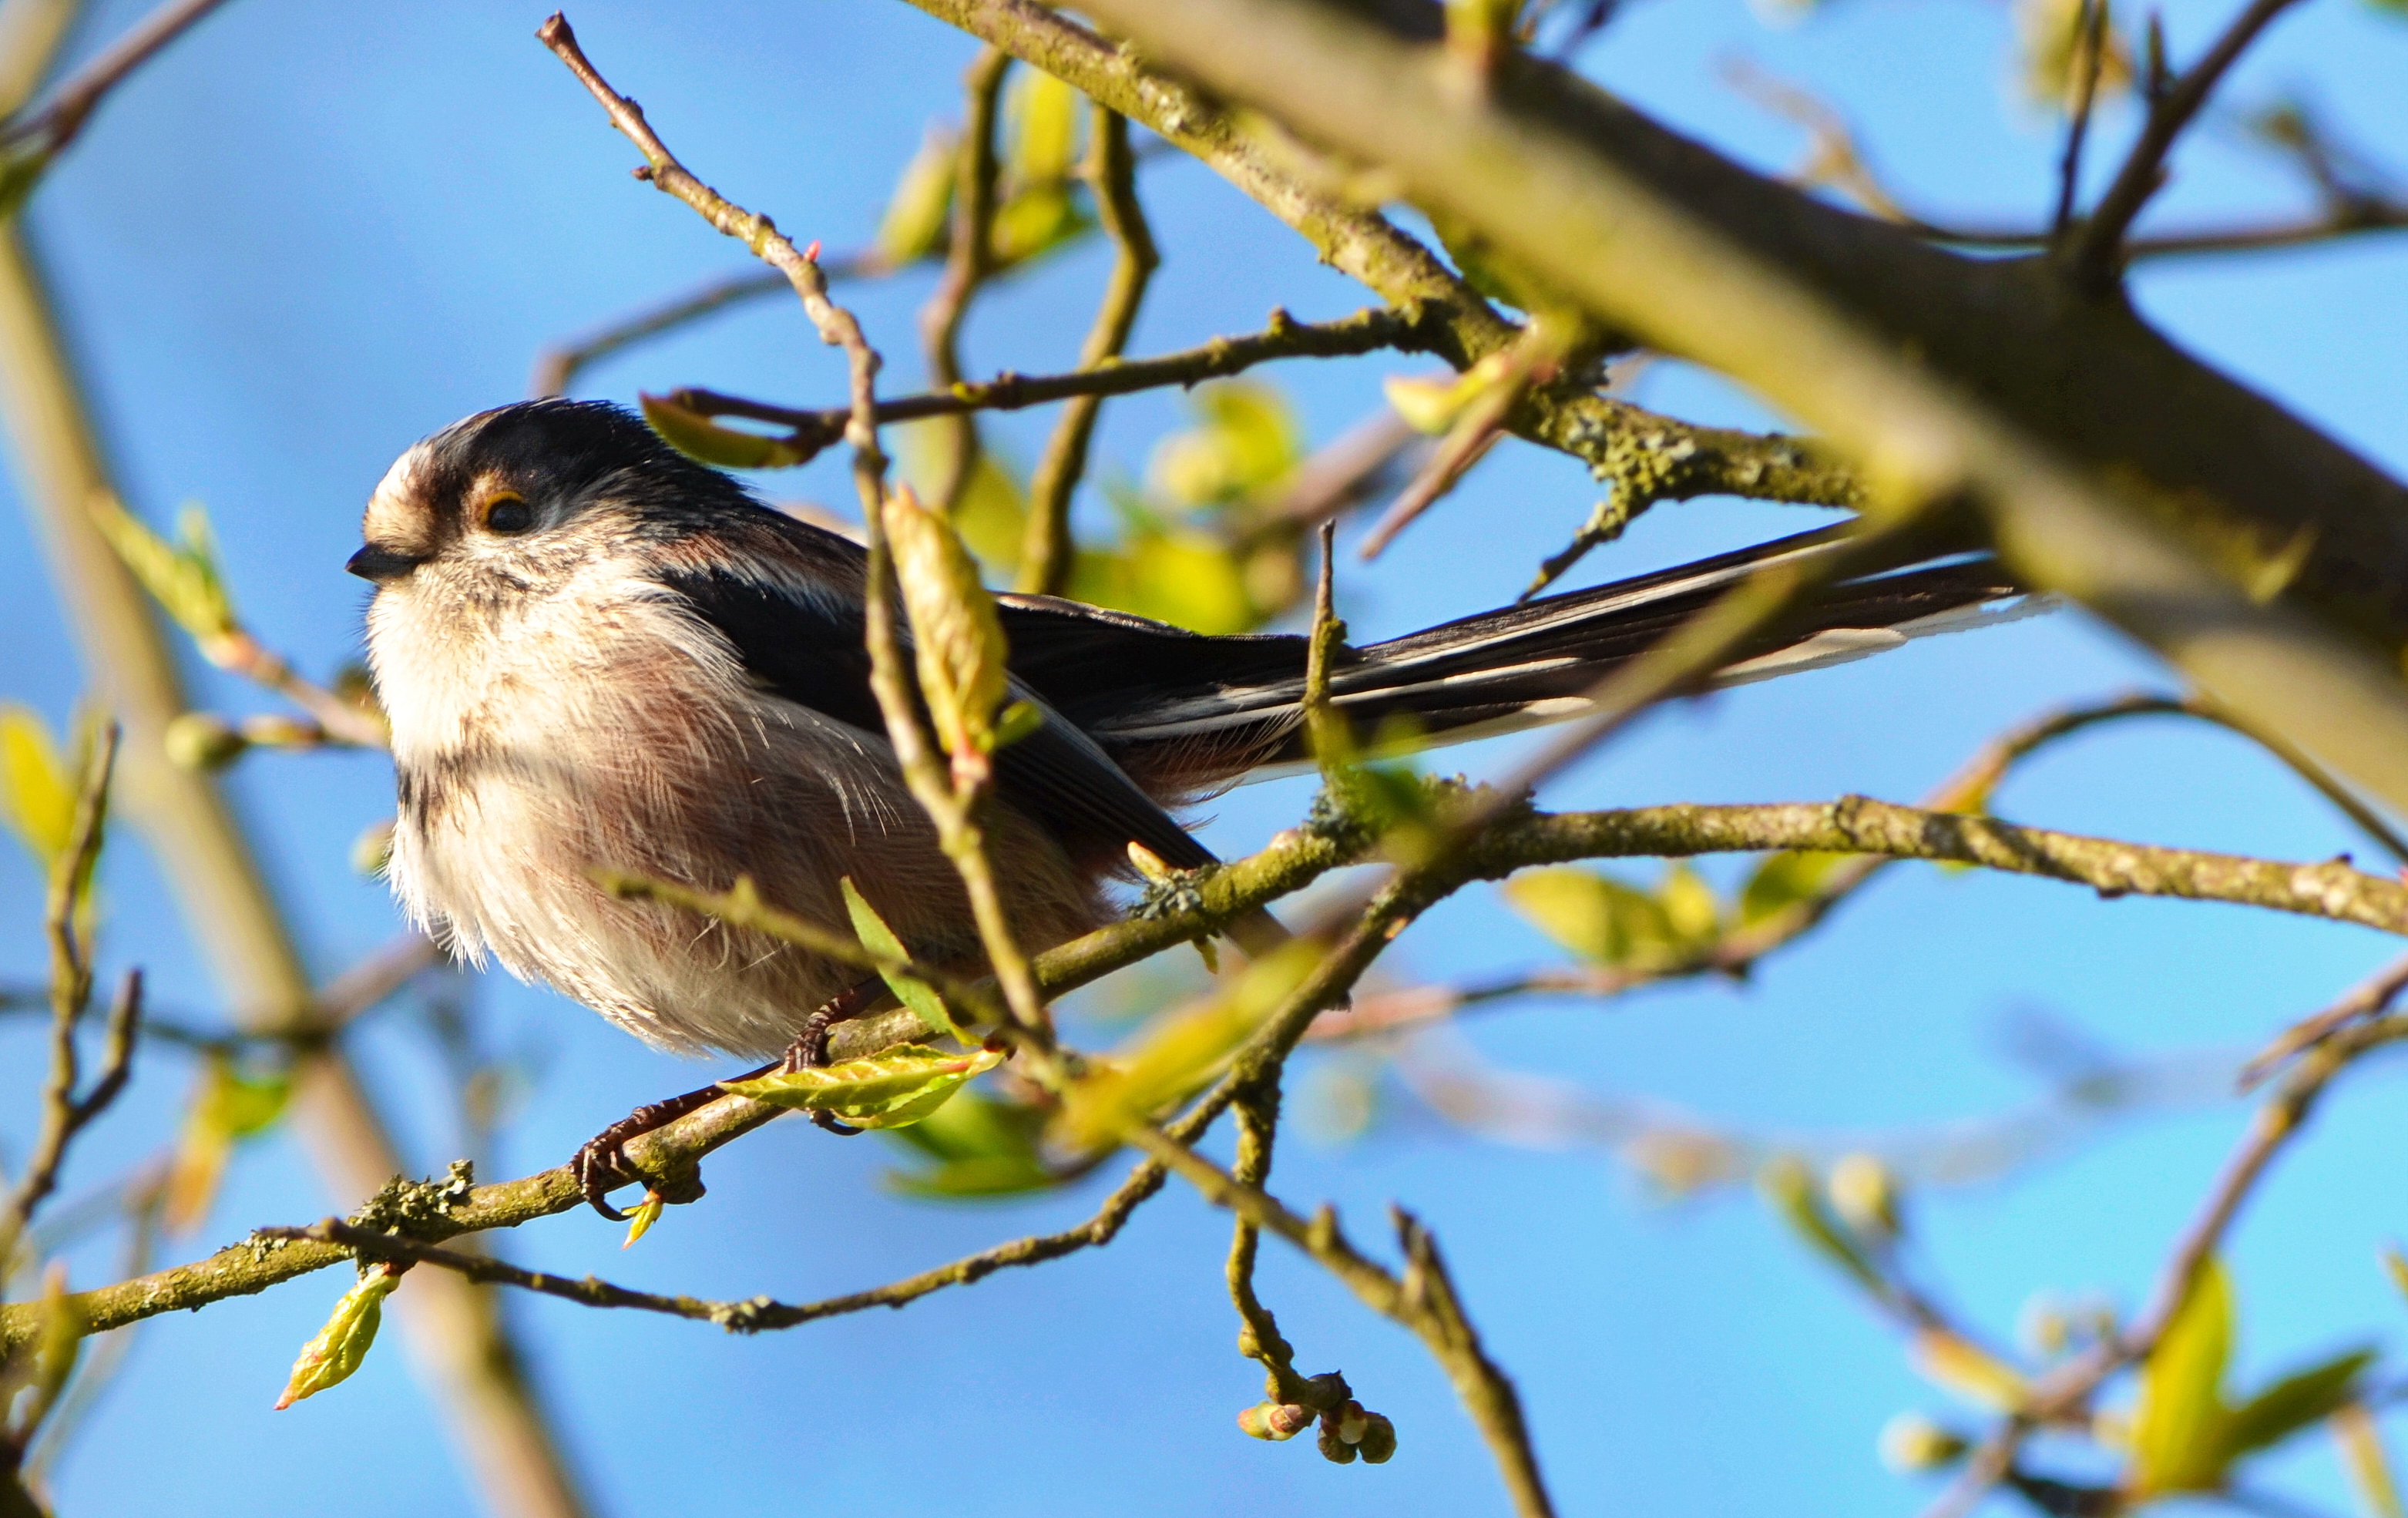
{"points": [[182, 577], [640, 1220], [1789, 1185], [1245, 440], [1594, 915], [1690, 909], [1431, 403], [2295, 1402], [1783, 881], [918, 212], [227, 1106], [697, 436], [330, 1358], [983, 1146], [1181, 1052], [956, 635], [1969, 1370], [901, 1086], [2178, 1425], [909, 990], [1188, 579], [36, 798], [1041, 116]]}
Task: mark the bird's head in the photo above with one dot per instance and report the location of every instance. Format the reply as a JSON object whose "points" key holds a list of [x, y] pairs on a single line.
{"points": [[510, 502]]}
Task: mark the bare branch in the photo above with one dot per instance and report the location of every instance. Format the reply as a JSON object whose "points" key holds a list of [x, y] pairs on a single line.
{"points": [[2092, 254], [557, 367], [1046, 552], [47, 131], [1364, 332], [969, 259]]}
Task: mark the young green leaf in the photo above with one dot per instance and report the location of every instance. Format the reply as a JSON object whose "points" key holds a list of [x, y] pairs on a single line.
{"points": [[2178, 1428], [227, 1106], [697, 436], [901, 1086], [1970, 1371], [182, 577], [921, 209], [330, 1358], [1789, 1187], [1245, 440], [37, 800], [2299, 1400], [1181, 1052], [1594, 915], [1783, 881], [956, 635], [910, 991], [640, 1220]]}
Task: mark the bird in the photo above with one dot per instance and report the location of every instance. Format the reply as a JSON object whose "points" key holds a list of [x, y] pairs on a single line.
{"points": [[597, 655]]}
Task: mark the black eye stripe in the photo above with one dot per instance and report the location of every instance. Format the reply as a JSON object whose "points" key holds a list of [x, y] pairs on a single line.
{"points": [[509, 514]]}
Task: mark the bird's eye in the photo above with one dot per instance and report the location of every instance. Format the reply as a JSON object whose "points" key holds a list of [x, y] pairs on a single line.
{"points": [[508, 513]]}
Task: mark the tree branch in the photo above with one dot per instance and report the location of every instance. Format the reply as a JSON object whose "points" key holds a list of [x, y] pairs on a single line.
{"points": [[2155, 507], [970, 258], [557, 367], [2091, 256], [1046, 549], [49, 130], [1364, 332]]}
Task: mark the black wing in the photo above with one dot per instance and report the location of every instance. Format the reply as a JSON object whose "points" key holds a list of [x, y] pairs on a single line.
{"points": [[809, 651]]}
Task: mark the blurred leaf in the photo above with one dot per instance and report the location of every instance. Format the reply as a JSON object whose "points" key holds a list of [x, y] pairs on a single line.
{"points": [[2178, 1428], [983, 1146], [227, 1106], [910, 991], [1788, 1184], [2370, 1468], [1041, 120], [1969, 1370], [1865, 1194], [993, 509], [1690, 909], [1608, 921], [1035, 222], [1431, 403], [1783, 881], [2054, 53], [956, 635], [1181, 1052], [182, 577], [901, 1086], [697, 436], [330, 1358], [37, 799], [2298, 1401], [1246, 439], [2396, 1266], [1038, 206], [1188, 579], [920, 210]]}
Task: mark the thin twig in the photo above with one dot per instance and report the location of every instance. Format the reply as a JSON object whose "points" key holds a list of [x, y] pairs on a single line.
{"points": [[969, 259], [1045, 554], [2090, 47], [2091, 254], [64, 1114], [49, 130], [557, 367], [2370, 997], [1423, 1300], [1366, 331]]}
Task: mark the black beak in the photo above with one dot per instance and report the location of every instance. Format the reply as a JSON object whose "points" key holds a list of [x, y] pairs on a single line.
{"points": [[381, 563]]}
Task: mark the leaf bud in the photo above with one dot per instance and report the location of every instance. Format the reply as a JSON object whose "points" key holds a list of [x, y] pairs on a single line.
{"points": [[203, 740], [1863, 1191], [1275, 1421], [1352, 1420], [1912, 1442], [1333, 1448], [1378, 1444]]}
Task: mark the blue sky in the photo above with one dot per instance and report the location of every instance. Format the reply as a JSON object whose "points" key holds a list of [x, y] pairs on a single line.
{"points": [[311, 234]]}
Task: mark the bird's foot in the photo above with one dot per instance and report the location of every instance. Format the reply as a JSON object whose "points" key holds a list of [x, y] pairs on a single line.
{"points": [[809, 1050], [602, 1166]]}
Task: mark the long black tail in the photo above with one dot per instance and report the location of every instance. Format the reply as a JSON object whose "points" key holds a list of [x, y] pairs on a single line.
{"points": [[1184, 714]]}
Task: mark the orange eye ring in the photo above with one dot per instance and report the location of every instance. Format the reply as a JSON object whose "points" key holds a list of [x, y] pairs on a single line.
{"points": [[506, 512]]}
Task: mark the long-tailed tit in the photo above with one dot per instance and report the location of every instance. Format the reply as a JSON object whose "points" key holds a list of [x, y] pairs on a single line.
{"points": [[599, 655]]}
